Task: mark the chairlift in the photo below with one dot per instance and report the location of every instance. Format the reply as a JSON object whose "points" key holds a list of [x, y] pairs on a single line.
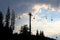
{"points": [[46, 17], [56, 37], [33, 17], [19, 17], [51, 19]]}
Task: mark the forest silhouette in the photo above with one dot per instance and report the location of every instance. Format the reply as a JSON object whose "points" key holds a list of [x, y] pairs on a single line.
{"points": [[7, 27]]}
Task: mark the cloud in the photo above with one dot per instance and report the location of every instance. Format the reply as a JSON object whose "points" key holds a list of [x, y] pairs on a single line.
{"points": [[24, 6], [37, 8], [24, 15]]}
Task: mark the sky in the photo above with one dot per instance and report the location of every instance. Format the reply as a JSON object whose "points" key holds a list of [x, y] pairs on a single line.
{"points": [[45, 12]]}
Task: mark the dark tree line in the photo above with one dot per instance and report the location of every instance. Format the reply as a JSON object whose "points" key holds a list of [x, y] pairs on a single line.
{"points": [[6, 32], [1, 21]]}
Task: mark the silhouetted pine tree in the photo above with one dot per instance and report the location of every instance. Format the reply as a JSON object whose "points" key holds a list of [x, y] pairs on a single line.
{"points": [[37, 33], [7, 18], [41, 33], [13, 20], [12, 25], [1, 21], [8, 30], [1, 26]]}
